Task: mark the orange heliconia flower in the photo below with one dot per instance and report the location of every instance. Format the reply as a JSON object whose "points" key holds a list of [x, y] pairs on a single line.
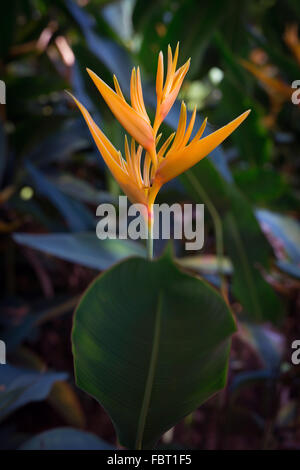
{"points": [[292, 40], [146, 168], [273, 85]]}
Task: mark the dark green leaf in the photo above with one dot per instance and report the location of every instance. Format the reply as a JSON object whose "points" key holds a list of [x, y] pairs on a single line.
{"points": [[244, 241], [77, 216], [151, 344]]}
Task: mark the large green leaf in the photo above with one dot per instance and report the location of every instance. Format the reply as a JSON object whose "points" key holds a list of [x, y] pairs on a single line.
{"points": [[150, 343]]}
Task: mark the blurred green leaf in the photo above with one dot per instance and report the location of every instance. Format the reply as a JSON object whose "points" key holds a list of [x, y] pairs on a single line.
{"points": [[15, 334], [252, 140], [284, 228], [289, 268], [21, 386], [267, 342], [244, 241], [70, 138], [82, 248], [65, 439], [249, 378], [7, 25], [81, 190], [165, 26], [76, 215], [277, 54], [286, 231], [250, 255], [261, 185]]}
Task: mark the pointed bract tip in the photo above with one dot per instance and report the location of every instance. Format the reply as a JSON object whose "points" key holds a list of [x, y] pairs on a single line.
{"points": [[93, 74], [72, 96], [244, 115]]}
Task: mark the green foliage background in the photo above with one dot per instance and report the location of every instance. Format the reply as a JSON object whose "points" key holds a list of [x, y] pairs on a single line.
{"points": [[52, 177]]}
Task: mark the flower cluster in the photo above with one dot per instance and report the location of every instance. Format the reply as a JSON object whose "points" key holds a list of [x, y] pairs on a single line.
{"points": [[146, 166]]}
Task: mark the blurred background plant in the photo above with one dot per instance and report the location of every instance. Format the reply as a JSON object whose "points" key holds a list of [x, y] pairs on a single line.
{"points": [[244, 55]]}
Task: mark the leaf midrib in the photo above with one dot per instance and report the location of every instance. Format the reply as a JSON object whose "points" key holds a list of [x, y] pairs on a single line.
{"points": [[150, 376]]}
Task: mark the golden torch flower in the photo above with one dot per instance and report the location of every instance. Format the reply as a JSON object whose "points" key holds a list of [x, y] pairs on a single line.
{"points": [[146, 168]]}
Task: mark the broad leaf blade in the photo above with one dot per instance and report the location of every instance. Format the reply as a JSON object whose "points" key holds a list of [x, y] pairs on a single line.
{"points": [[151, 344]]}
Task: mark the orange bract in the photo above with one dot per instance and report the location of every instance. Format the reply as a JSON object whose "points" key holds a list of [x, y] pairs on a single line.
{"points": [[145, 168]]}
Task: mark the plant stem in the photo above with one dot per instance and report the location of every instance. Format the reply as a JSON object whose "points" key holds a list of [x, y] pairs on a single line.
{"points": [[150, 377], [150, 236]]}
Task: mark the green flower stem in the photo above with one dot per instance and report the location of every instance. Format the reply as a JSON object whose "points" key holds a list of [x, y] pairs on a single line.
{"points": [[150, 240]]}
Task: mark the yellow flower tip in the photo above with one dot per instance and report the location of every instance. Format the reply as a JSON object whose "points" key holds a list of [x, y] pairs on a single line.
{"points": [[69, 93], [153, 156], [92, 74], [158, 138], [187, 64], [160, 75], [73, 97]]}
